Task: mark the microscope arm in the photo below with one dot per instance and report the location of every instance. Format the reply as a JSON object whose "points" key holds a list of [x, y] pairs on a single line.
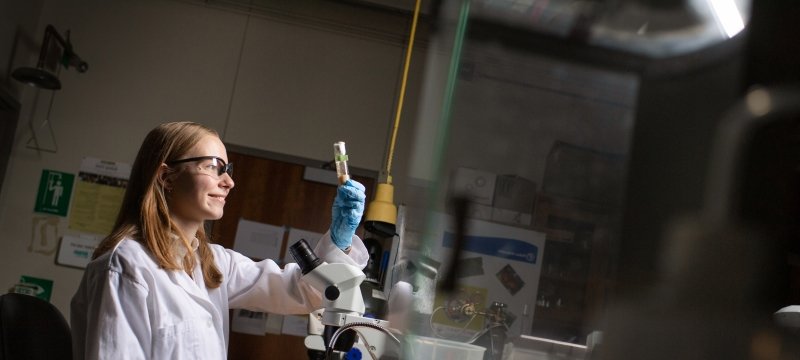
{"points": [[341, 294]]}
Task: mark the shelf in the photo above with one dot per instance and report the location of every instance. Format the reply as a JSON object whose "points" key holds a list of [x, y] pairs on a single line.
{"points": [[565, 279], [564, 315]]}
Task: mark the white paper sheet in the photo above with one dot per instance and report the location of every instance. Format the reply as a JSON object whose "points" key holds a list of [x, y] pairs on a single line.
{"points": [[258, 240], [499, 263], [311, 237], [274, 324], [76, 250], [249, 322], [295, 235], [296, 325]]}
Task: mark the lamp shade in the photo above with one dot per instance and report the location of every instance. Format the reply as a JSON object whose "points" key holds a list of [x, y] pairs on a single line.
{"points": [[37, 77], [381, 216]]}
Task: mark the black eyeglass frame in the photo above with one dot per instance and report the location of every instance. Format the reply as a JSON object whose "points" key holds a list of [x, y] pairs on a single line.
{"points": [[226, 168]]}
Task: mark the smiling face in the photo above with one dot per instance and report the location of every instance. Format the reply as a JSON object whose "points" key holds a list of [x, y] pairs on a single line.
{"points": [[195, 191]]}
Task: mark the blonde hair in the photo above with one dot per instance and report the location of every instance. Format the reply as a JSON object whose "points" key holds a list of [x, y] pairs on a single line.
{"points": [[144, 215]]}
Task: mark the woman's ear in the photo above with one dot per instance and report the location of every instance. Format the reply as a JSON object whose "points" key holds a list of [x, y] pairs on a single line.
{"points": [[164, 178]]}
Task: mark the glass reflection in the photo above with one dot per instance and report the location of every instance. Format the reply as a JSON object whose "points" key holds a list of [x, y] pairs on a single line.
{"points": [[520, 163]]}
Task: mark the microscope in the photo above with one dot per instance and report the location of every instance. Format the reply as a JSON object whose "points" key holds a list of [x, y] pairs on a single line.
{"points": [[334, 328], [461, 308]]}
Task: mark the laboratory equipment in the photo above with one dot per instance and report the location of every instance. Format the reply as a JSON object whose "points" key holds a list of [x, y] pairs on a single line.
{"points": [[424, 347], [335, 327], [493, 336], [374, 298], [340, 157], [527, 347], [381, 217], [41, 75]]}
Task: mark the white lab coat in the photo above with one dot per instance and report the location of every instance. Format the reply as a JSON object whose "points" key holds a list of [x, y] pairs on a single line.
{"points": [[128, 308]]}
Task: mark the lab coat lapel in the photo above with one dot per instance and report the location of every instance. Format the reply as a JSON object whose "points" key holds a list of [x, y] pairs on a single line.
{"points": [[197, 293]]}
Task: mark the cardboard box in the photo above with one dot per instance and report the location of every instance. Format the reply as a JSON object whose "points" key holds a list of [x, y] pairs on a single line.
{"points": [[584, 174], [480, 212], [514, 193], [514, 199], [511, 217], [478, 185]]}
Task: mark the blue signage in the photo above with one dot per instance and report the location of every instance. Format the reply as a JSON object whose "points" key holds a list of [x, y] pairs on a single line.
{"points": [[506, 248]]}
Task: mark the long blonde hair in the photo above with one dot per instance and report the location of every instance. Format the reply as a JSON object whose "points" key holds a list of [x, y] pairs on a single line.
{"points": [[144, 215]]}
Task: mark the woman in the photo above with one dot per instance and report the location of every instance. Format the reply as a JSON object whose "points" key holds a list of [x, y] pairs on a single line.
{"points": [[157, 289]]}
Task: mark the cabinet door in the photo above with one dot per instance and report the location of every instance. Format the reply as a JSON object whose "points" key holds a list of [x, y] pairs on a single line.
{"points": [[274, 192], [575, 270]]}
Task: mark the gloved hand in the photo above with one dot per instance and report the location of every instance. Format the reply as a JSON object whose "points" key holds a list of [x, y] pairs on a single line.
{"points": [[348, 207]]}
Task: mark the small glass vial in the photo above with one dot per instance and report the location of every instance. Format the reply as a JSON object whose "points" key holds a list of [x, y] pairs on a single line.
{"points": [[340, 157]]}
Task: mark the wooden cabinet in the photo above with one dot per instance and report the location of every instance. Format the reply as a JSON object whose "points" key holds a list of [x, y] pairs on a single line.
{"points": [[574, 279], [274, 192]]}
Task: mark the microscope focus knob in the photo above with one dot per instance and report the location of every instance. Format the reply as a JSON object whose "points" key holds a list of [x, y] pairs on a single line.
{"points": [[332, 293]]}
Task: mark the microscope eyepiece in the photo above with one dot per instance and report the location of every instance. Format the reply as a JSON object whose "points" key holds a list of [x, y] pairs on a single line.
{"points": [[304, 256]]}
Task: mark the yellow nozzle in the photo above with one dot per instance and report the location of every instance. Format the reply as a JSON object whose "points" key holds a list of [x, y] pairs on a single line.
{"points": [[381, 213], [382, 209]]}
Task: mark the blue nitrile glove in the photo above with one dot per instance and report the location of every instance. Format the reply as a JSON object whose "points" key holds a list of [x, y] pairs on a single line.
{"points": [[348, 207]]}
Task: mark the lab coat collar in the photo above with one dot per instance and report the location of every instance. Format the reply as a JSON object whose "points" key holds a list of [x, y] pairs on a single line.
{"points": [[180, 250], [195, 286]]}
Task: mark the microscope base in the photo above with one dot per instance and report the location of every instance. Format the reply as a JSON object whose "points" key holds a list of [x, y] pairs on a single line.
{"points": [[369, 340]]}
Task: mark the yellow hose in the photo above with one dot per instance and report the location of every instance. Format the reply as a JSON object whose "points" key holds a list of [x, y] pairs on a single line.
{"points": [[402, 92]]}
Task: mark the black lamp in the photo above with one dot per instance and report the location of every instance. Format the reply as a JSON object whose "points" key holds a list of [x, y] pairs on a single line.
{"points": [[39, 76]]}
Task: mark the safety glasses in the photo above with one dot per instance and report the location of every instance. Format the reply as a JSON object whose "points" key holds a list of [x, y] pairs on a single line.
{"points": [[211, 164]]}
